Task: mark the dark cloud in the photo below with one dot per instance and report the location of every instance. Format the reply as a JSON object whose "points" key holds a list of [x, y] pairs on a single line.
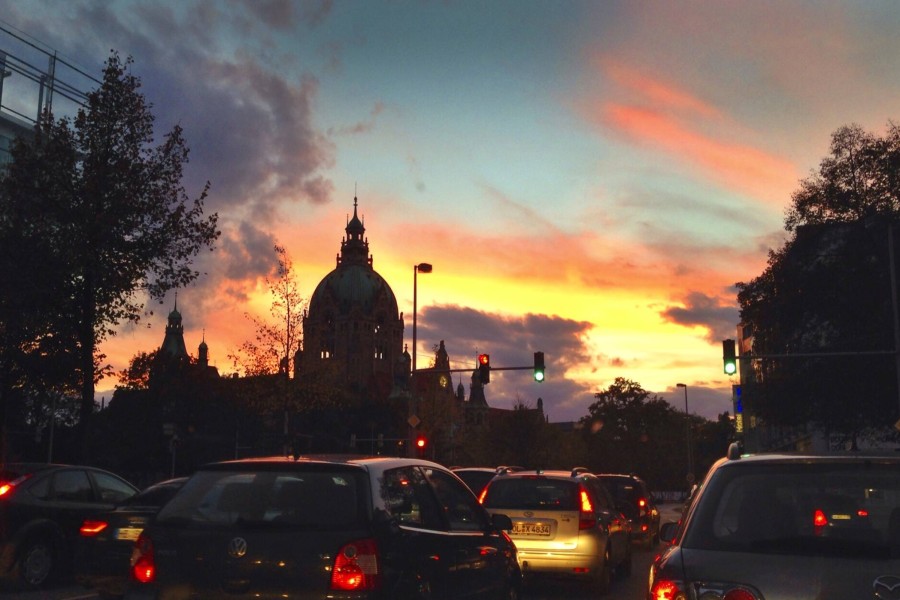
{"points": [[250, 129], [720, 320], [511, 342]]}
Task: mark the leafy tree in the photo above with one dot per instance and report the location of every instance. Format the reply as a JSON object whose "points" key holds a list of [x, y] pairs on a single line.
{"points": [[137, 375], [105, 212], [277, 340], [628, 430], [825, 297]]}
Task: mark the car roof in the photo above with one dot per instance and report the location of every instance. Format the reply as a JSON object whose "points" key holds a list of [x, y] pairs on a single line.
{"points": [[557, 473], [371, 463]]}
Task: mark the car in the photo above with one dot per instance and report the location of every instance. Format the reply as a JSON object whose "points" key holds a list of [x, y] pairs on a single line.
{"points": [[478, 477], [103, 554], [564, 523], [320, 526], [42, 507], [786, 525], [633, 498]]}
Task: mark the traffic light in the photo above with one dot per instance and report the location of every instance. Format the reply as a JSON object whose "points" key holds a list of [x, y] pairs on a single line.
{"points": [[539, 366], [484, 368], [729, 358], [421, 444]]}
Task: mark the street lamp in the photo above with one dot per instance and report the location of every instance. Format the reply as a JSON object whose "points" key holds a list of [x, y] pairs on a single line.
{"points": [[419, 268], [687, 418]]}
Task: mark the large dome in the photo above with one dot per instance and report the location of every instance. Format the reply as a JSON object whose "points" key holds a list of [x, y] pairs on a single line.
{"points": [[350, 287]]}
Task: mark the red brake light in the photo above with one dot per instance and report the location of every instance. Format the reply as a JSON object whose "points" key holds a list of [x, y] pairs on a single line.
{"points": [[143, 562], [586, 518], [642, 503], [356, 567], [91, 528], [5, 489], [666, 590], [819, 518]]}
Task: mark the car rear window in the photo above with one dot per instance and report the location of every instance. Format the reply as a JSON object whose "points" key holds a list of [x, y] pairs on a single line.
{"points": [[315, 500], [532, 493], [838, 509]]}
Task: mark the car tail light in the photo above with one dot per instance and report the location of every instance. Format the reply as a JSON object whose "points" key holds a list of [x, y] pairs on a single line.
{"points": [[356, 567], [91, 528], [668, 589], [586, 518], [819, 518], [8, 487], [143, 560], [642, 506], [665, 589]]}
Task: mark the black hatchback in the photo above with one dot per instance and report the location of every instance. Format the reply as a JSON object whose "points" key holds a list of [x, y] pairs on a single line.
{"points": [[634, 500], [325, 527], [42, 507]]}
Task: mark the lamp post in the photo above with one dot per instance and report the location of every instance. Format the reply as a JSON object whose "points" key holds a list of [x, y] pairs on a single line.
{"points": [[687, 420], [419, 268]]}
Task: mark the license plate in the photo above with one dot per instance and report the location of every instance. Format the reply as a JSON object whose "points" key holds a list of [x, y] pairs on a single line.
{"points": [[523, 528], [128, 533]]}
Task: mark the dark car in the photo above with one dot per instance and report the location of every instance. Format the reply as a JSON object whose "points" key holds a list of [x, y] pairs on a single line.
{"points": [[564, 524], [42, 507], [103, 554], [778, 526], [633, 499], [325, 527]]}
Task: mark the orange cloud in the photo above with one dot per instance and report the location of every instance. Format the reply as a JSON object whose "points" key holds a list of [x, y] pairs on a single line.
{"points": [[656, 92], [747, 169]]}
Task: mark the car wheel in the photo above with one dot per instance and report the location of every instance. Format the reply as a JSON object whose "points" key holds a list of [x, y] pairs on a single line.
{"points": [[510, 592], [626, 567], [603, 577], [35, 563]]}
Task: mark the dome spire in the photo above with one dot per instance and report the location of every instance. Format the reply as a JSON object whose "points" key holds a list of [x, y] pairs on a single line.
{"points": [[354, 247]]}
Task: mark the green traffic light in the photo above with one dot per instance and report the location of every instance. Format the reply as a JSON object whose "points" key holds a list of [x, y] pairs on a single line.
{"points": [[539, 366], [730, 368]]}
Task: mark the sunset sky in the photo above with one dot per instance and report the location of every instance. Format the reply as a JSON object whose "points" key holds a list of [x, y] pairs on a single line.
{"points": [[588, 179]]}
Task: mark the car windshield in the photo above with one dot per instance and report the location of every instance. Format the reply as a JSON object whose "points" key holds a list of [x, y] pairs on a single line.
{"points": [[317, 500], [532, 493], [847, 509]]}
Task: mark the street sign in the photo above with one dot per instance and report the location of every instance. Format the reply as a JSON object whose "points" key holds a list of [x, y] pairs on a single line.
{"points": [[413, 421]]}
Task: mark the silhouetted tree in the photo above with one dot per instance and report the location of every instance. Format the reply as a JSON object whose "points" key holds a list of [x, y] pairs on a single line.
{"points": [[278, 338], [105, 212], [827, 292], [628, 430]]}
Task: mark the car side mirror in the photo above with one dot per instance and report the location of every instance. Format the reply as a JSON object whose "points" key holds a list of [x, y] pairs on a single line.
{"points": [[668, 532], [501, 522]]}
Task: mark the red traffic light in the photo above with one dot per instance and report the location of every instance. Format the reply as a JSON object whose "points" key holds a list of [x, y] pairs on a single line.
{"points": [[420, 442], [484, 368]]}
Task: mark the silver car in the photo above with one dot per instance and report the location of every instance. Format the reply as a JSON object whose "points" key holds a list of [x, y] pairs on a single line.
{"points": [[786, 526], [564, 524]]}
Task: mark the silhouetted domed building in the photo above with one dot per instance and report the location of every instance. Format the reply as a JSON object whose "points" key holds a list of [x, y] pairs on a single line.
{"points": [[353, 323]]}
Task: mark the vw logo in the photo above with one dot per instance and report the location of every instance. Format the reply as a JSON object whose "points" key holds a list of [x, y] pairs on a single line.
{"points": [[237, 547], [887, 587]]}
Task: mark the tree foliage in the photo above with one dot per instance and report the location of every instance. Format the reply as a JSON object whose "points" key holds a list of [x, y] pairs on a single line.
{"points": [[628, 430], [826, 297], [101, 221], [277, 339]]}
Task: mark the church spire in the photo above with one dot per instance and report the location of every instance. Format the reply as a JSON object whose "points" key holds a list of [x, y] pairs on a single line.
{"points": [[354, 247]]}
